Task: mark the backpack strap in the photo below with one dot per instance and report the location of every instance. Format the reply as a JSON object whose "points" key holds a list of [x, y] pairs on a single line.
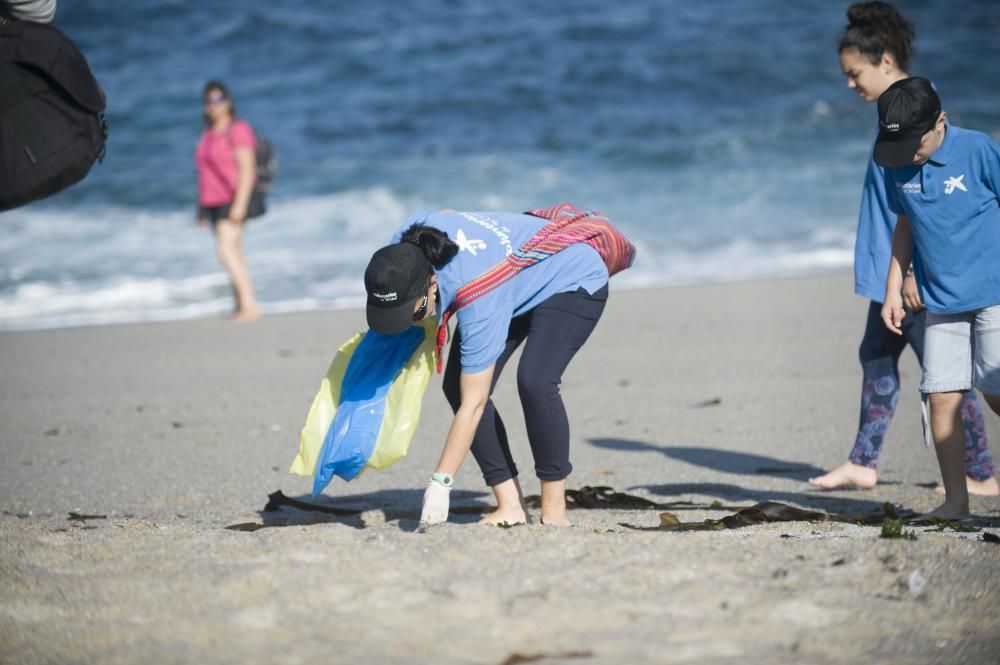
{"points": [[47, 49], [569, 225]]}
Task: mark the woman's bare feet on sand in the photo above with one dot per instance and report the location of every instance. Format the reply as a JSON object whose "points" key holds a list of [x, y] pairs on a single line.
{"points": [[244, 315], [554, 503], [508, 517], [847, 474], [988, 487], [556, 520], [510, 505]]}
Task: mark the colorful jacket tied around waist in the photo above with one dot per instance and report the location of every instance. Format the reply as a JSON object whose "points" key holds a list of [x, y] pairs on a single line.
{"points": [[568, 225]]}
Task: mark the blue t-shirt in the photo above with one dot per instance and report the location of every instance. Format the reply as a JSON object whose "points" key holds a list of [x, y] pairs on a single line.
{"points": [[873, 245], [484, 239], [953, 207], [876, 224]]}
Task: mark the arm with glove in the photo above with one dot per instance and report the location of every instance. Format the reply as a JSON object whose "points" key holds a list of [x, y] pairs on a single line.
{"points": [[475, 393]]}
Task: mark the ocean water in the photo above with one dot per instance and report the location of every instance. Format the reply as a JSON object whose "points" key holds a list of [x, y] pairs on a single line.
{"points": [[720, 135]]}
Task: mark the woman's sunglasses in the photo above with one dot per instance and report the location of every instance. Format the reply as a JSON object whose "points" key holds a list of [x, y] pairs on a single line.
{"points": [[421, 311], [212, 101]]}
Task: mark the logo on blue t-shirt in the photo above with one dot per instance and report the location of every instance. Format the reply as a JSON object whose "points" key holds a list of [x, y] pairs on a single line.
{"points": [[954, 182], [467, 245]]}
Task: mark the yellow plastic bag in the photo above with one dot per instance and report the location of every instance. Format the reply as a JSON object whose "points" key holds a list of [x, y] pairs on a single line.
{"points": [[322, 411], [402, 409]]}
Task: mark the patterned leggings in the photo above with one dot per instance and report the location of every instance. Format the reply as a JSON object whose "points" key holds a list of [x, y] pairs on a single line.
{"points": [[879, 353]]}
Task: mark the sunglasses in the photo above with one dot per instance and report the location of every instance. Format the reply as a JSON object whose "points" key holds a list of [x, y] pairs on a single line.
{"points": [[421, 311], [212, 101]]}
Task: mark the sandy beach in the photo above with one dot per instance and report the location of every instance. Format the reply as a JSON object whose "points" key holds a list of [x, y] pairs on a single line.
{"points": [[731, 393]]}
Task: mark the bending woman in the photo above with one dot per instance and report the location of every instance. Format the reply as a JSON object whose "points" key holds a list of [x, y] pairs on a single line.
{"points": [[875, 52], [551, 307], [227, 173]]}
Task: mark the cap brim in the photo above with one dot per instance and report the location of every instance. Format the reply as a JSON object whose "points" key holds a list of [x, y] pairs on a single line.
{"points": [[391, 320], [896, 154]]}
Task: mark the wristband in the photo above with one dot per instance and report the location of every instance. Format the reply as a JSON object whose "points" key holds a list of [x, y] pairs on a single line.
{"points": [[445, 480]]}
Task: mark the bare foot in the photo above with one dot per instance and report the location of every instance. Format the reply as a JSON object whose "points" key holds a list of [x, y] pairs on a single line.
{"points": [[244, 315], [554, 503], [988, 487], [948, 511], [847, 474], [509, 516], [555, 519]]}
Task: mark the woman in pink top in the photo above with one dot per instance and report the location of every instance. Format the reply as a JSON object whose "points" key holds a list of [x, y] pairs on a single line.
{"points": [[227, 168]]}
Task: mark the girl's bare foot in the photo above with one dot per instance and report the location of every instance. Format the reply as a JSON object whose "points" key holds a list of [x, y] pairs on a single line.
{"points": [[988, 487], [509, 516], [847, 474]]}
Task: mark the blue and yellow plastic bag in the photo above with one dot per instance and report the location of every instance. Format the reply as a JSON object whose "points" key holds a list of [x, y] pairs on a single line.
{"points": [[368, 406]]}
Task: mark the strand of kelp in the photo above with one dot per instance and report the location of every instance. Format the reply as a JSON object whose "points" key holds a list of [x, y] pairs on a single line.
{"points": [[605, 498]]}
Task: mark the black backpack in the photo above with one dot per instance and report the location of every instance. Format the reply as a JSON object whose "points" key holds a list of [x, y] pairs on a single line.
{"points": [[52, 125], [267, 171], [267, 162]]}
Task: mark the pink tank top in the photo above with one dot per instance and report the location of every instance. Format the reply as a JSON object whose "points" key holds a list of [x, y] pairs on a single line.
{"points": [[217, 173]]}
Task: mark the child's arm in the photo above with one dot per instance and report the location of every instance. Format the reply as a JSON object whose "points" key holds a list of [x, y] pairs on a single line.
{"points": [[902, 254], [911, 294]]}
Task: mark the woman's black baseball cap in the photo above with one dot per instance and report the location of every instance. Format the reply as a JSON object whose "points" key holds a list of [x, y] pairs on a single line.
{"points": [[907, 110], [395, 278]]}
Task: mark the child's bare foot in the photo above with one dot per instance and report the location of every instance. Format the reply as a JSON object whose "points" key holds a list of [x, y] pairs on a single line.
{"points": [[511, 516], [847, 474], [988, 487], [949, 511]]}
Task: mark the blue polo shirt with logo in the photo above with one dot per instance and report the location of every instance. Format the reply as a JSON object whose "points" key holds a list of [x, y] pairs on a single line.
{"points": [[484, 239], [953, 207]]}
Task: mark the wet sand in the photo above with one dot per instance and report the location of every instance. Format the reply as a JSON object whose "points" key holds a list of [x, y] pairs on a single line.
{"points": [[733, 393]]}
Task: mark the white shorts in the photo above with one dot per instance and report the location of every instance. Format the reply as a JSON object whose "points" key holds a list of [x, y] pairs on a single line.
{"points": [[962, 351]]}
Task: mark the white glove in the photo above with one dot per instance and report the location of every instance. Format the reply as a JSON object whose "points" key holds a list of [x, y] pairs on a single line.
{"points": [[436, 498]]}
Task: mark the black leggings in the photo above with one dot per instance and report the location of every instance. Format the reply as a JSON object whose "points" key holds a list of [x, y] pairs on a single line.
{"points": [[879, 344], [555, 330]]}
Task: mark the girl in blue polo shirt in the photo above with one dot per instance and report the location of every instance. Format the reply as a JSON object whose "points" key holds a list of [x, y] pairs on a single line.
{"points": [[875, 51], [551, 307], [943, 182]]}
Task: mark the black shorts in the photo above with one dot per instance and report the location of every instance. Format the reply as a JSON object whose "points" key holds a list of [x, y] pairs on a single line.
{"points": [[214, 213], [256, 207]]}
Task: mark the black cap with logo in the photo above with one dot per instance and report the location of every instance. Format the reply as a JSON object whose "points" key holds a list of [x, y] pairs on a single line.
{"points": [[395, 278], [907, 110]]}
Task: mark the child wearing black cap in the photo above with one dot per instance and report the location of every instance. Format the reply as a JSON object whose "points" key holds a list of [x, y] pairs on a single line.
{"points": [[944, 184]]}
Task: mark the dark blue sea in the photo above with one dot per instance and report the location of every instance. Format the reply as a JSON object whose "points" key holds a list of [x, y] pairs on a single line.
{"points": [[720, 135]]}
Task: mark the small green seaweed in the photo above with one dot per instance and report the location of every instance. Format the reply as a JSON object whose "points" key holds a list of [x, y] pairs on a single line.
{"points": [[941, 525], [894, 529]]}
